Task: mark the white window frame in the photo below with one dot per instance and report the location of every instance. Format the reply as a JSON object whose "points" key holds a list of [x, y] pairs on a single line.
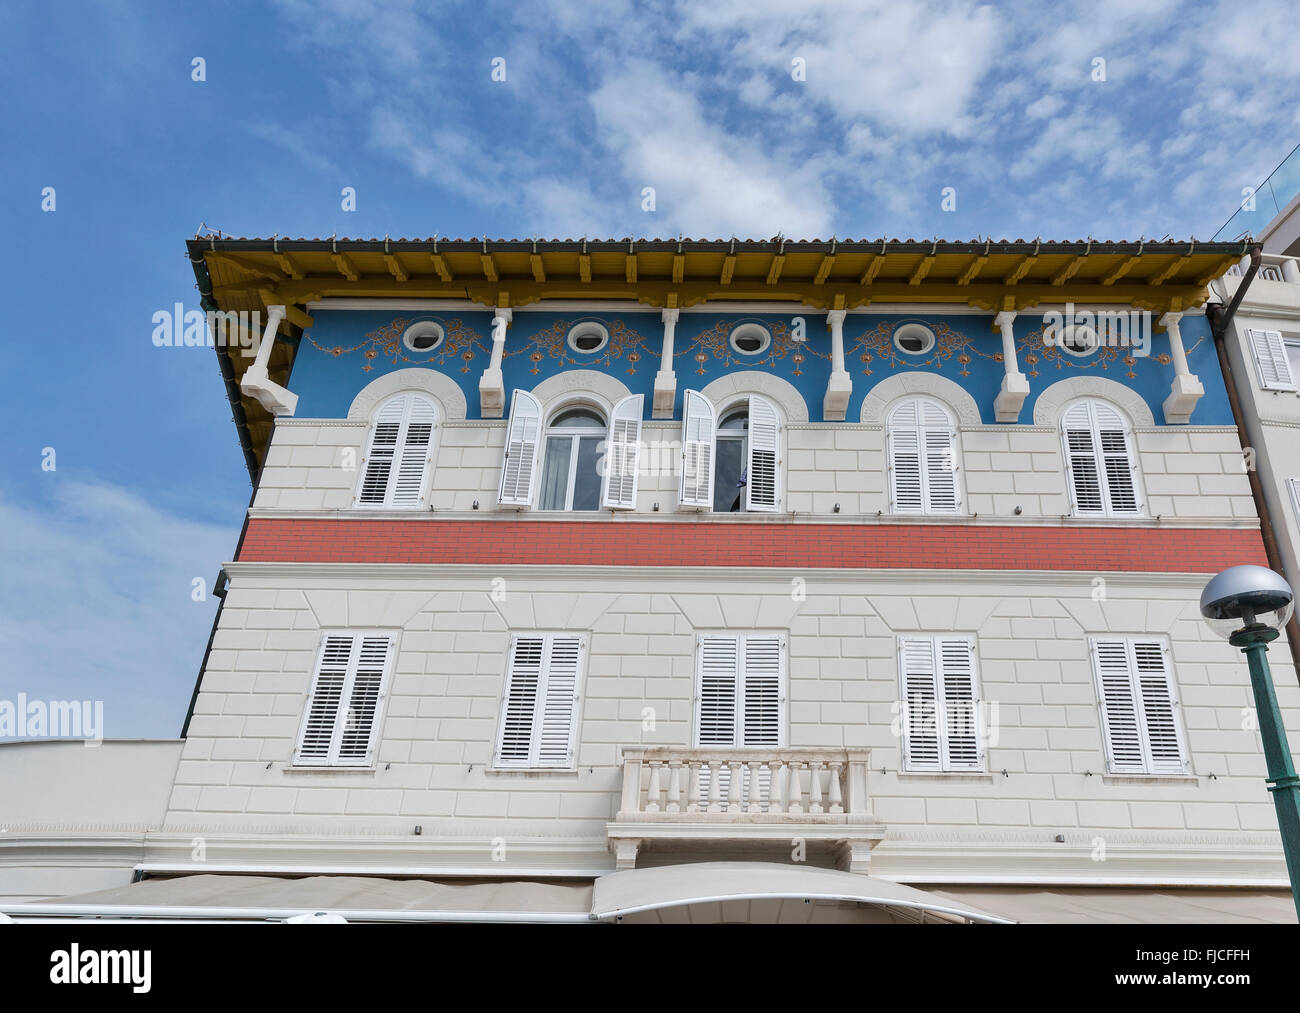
{"points": [[945, 763], [746, 438], [1099, 460], [339, 722], [1138, 703], [575, 435], [395, 466], [540, 702]]}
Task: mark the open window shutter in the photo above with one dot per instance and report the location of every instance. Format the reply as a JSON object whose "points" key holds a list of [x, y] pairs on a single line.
{"points": [[622, 453], [1119, 710], [699, 421], [1117, 460], [1160, 720], [381, 452], [939, 443], [762, 489], [554, 746], [718, 676], [1271, 362], [414, 454], [919, 677], [323, 703], [763, 691], [905, 459], [356, 741], [519, 466], [1081, 460], [519, 707], [959, 726]]}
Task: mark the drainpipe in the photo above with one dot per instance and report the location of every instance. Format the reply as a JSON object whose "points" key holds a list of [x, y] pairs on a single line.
{"points": [[1219, 321]]}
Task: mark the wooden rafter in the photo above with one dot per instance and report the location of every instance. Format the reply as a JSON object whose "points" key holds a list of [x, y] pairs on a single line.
{"points": [[922, 269], [1021, 269], [255, 268], [289, 266], [489, 267], [972, 269], [584, 268], [630, 268], [346, 267], [1178, 264], [396, 268], [774, 272], [440, 265], [874, 265], [1069, 270], [539, 270], [728, 269], [824, 269], [679, 268]]}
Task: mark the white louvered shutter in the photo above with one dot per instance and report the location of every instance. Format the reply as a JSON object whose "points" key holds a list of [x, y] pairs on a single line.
{"points": [[922, 459], [1117, 460], [959, 731], [1160, 718], [357, 730], [539, 713], [699, 423], [762, 690], [397, 460], [415, 452], [341, 722], [523, 682], [523, 437], [1272, 365], [905, 482], [919, 676], [762, 488], [1293, 486], [623, 453], [939, 442], [559, 714], [718, 690], [1119, 708], [1100, 460]]}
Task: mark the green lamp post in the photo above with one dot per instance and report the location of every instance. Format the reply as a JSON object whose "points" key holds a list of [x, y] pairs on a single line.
{"points": [[1249, 605]]}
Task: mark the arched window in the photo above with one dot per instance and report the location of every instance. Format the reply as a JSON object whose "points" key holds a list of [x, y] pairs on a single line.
{"points": [[923, 458], [570, 477], [398, 458], [730, 464], [1100, 462]]}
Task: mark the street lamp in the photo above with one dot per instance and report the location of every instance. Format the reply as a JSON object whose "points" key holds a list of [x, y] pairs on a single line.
{"points": [[1249, 605]]}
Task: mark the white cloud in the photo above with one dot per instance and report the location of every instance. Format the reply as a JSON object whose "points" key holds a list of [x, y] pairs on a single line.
{"points": [[103, 610]]}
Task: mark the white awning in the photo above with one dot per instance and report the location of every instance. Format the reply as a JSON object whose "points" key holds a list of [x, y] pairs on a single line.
{"points": [[356, 898], [636, 891], [1131, 905]]}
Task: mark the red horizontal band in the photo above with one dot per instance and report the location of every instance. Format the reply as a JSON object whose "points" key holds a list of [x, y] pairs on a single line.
{"points": [[877, 546]]}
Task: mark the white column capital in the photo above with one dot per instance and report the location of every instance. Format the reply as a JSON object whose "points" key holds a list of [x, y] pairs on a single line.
{"points": [[1005, 319], [503, 313], [835, 318], [1170, 320], [670, 315]]}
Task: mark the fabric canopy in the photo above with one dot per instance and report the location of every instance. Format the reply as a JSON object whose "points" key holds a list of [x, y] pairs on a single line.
{"points": [[1127, 905]]}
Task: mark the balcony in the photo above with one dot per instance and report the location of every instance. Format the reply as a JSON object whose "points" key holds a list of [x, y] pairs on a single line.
{"points": [[1272, 267], [745, 800]]}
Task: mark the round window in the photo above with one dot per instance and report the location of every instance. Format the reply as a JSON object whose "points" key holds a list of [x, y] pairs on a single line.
{"points": [[914, 339], [423, 336], [588, 337], [750, 339], [1078, 340]]}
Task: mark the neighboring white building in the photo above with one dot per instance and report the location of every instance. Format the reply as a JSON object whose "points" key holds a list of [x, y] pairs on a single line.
{"points": [[690, 580]]}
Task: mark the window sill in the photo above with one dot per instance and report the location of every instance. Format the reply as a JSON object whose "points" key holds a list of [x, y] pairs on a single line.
{"points": [[1150, 778], [329, 769], [946, 775], [531, 771]]}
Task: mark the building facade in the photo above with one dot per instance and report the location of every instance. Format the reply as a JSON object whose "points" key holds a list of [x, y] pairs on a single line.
{"points": [[574, 559]]}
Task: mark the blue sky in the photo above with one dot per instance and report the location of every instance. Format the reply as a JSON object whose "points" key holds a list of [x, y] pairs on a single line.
{"points": [[699, 101]]}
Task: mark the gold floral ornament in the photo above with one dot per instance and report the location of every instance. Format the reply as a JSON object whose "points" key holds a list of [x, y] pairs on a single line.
{"points": [[624, 345], [715, 343], [460, 341], [1032, 350], [949, 345]]}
